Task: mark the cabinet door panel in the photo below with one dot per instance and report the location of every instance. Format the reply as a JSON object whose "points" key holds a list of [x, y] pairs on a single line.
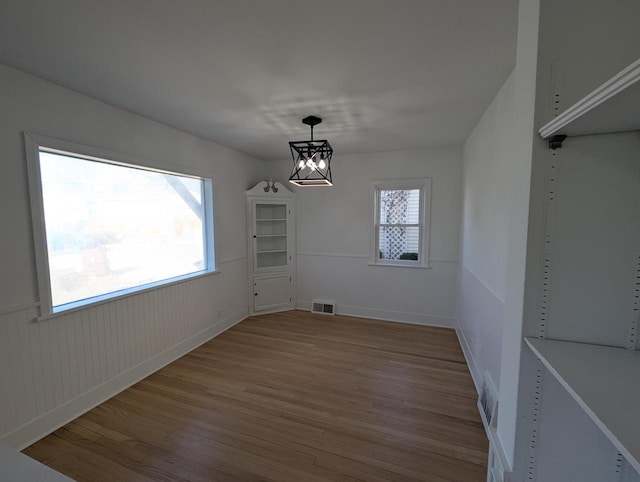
{"points": [[272, 292]]}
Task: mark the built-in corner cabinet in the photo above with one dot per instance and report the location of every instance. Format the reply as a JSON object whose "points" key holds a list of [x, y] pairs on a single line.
{"points": [[584, 385], [271, 245]]}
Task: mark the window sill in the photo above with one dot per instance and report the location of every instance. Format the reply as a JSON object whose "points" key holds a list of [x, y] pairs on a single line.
{"points": [[132, 292], [402, 265]]}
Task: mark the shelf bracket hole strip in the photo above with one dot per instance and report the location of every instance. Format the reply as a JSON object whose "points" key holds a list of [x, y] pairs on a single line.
{"points": [[549, 208], [535, 424]]}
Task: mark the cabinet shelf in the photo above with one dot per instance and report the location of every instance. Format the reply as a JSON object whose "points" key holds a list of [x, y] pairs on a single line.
{"points": [[270, 220], [266, 251], [604, 381], [612, 107]]}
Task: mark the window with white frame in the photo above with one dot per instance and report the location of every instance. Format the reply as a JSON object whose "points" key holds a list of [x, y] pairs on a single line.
{"points": [[401, 222], [106, 227]]}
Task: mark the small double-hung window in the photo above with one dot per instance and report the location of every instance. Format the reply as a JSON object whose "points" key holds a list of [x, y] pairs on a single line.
{"points": [[401, 222]]}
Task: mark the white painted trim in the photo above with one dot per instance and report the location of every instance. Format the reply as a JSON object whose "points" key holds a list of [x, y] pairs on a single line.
{"points": [[495, 444], [366, 256], [16, 308], [476, 376], [609, 89], [387, 315], [336, 255], [32, 144], [36, 429], [496, 451], [487, 287], [232, 260], [392, 264]]}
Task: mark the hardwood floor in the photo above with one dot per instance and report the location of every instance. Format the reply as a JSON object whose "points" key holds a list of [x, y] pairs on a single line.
{"points": [[289, 396]]}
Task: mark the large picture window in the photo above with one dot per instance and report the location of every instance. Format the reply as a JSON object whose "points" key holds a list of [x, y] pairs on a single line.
{"points": [[105, 228], [401, 222]]}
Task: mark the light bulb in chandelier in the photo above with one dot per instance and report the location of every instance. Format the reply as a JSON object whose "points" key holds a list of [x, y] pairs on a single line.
{"points": [[322, 164]]}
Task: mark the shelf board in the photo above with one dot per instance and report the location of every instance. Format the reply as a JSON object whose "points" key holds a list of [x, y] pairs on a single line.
{"points": [[272, 251], [605, 381], [270, 220], [612, 107]]}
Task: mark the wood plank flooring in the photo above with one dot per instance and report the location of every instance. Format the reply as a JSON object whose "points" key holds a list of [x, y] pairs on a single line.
{"points": [[290, 397]]}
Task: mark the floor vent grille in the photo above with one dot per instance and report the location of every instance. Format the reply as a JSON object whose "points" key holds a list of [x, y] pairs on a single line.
{"points": [[323, 307]]}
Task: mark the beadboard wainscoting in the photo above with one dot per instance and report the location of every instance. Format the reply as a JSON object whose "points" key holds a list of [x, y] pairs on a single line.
{"points": [[427, 295], [53, 371]]}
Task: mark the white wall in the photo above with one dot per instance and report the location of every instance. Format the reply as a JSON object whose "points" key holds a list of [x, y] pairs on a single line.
{"points": [[487, 153], [498, 157], [334, 228], [52, 371]]}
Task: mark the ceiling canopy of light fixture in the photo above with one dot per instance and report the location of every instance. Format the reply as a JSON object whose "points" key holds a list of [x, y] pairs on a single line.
{"points": [[311, 159]]}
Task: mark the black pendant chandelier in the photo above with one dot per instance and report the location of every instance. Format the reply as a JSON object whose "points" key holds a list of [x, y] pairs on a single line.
{"points": [[311, 159]]}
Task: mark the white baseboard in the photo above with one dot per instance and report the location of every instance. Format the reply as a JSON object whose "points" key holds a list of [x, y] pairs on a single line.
{"points": [[36, 429], [476, 376], [387, 315], [497, 460]]}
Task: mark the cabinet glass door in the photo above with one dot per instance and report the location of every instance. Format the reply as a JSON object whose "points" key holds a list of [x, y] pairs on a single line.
{"points": [[270, 235]]}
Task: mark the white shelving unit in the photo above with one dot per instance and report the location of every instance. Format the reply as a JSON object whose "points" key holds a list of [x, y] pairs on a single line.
{"points": [[271, 246], [605, 381], [586, 337]]}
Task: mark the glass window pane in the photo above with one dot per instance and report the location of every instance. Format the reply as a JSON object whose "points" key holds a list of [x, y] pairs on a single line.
{"points": [[112, 227], [399, 206], [399, 242]]}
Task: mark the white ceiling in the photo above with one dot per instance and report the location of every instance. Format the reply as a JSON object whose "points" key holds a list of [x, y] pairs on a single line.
{"points": [[383, 74]]}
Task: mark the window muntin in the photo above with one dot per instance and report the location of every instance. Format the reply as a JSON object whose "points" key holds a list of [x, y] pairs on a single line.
{"points": [[109, 228], [400, 223]]}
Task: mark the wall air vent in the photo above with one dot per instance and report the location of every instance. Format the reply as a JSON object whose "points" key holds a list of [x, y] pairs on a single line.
{"points": [[498, 468], [488, 403], [323, 307]]}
